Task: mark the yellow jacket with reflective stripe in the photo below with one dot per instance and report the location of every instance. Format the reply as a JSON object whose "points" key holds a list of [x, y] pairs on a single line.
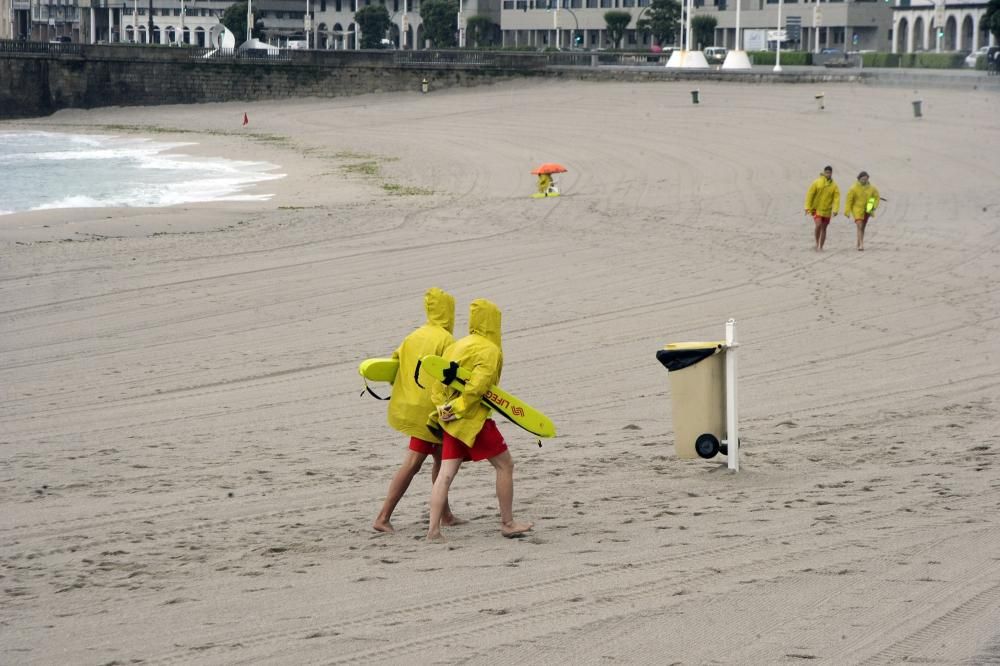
{"points": [[481, 354], [823, 197], [857, 200], [409, 404]]}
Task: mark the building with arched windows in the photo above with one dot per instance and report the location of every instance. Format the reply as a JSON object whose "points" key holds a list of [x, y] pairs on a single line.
{"points": [[920, 25], [899, 26], [181, 22]]}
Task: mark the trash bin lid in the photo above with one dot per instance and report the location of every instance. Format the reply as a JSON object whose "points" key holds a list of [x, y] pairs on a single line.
{"points": [[679, 355]]}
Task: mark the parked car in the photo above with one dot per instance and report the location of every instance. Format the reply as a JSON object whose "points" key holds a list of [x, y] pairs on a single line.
{"points": [[64, 39], [715, 55], [831, 57], [970, 60]]}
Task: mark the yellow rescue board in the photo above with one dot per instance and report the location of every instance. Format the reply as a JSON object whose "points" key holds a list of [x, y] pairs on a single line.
{"points": [[507, 404], [379, 369]]}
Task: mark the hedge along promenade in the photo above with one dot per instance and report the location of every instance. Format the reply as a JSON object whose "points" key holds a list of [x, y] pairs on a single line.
{"points": [[37, 79]]}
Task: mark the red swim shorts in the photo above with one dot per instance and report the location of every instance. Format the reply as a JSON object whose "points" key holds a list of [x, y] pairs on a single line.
{"points": [[489, 444], [821, 219], [423, 446]]}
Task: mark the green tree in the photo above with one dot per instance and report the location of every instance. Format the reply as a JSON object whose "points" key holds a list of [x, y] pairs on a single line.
{"points": [[617, 22], [235, 19], [703, 31], [374, 23], [440, 19], [991, 19], [661, 21], [479, 31]]}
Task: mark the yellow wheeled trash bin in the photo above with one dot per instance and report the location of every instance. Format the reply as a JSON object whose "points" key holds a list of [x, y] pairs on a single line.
{"points": [[697, 372]]}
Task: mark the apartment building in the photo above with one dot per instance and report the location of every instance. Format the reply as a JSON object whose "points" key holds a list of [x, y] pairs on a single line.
{"points": [[39, 20], [810, 25]]}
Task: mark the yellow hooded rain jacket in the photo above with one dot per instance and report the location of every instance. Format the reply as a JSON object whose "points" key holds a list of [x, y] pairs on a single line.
{"points": [[479, 352], [856, 203], [823, 197], [409, 404]]}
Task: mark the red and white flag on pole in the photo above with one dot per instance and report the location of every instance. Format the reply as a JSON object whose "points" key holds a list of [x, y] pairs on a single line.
{"points": [[246, 121]]}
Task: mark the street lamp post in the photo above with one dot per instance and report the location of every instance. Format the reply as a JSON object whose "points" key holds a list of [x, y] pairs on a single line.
{"points": [[150, 23], [777, 57], [461, 30], [404, 25], [308, 25], [180, 38]]}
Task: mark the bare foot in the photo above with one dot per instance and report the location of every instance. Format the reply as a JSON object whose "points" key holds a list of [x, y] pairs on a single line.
{"points": [[383, 526], [436, 537], [451, 520], [861, 249], [514, 528]]}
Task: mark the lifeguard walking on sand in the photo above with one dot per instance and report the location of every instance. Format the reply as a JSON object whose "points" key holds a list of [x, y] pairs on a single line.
{"points": [[823, 203], [861, 202]]}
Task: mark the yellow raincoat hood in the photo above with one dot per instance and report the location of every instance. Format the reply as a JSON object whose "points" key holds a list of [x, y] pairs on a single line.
{"points": [[409, 404], [480, 353]]}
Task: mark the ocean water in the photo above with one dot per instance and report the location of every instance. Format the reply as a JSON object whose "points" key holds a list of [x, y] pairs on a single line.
{"points": [[40, 170]]}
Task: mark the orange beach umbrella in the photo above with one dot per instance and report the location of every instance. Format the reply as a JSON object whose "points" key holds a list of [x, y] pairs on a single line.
{"points": [[549, 167]]}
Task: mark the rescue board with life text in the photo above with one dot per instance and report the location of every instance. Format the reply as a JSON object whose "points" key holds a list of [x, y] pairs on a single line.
{"points": [[506, 404]]}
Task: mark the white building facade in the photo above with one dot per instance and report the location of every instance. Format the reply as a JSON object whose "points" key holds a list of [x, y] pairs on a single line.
{"points": [[920, 25]]}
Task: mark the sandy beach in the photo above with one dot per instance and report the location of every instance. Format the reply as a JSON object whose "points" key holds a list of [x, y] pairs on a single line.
{"points": [[190, 473]]}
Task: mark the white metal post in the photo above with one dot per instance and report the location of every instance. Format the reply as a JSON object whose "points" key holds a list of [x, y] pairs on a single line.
{"points": [[249, 19], [732, 416]]}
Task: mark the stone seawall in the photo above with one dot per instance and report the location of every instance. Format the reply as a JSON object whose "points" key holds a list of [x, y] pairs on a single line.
{"points": [[39, 79], [38, 84]]}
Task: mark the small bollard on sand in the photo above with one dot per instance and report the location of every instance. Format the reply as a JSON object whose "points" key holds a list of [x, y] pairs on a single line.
{"points": [[694, 96], [424, 86], [916, 108], [820, 101]]}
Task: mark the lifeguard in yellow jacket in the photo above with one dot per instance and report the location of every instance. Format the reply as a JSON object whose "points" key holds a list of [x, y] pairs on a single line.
{"points": [[823, 203], [409, 403], [861, 202], [544, 183], [469, 432]]}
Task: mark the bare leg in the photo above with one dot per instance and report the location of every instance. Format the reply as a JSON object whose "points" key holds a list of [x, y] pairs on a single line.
{"points": [[439, 496], [816, 234], [822, 235], [861, 233], [397, 488], [447, 517], [504, 466]]}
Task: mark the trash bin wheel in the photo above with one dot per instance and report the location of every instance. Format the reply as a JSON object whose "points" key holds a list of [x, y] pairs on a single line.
{"points": [[707, 445]]}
